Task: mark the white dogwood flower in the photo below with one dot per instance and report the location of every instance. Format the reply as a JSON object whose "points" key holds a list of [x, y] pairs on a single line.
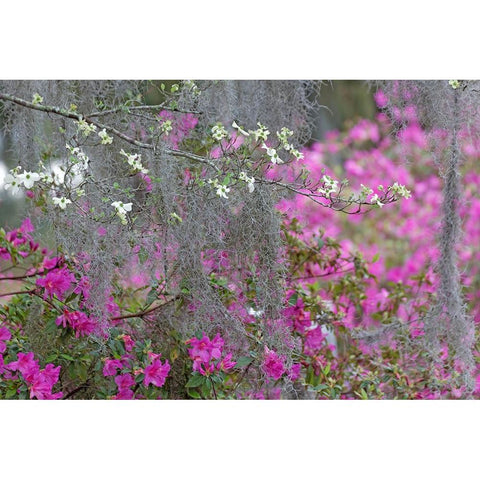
{"points": [[272, 153], [61, 202], [28, 178], [12, 183], [219, 132], [106, 138]]}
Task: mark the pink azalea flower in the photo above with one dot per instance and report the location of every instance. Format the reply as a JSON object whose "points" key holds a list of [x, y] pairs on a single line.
{"points": [[49, 263], [273, 364], [226, 363], [56, 282], [381, 99], [26, 226], [205, 369], [129, 343], [65, 320], [40, 388], [124, 394], [83, 287], [43, 381], [111, 366], [217, 346], [51, 373], [83, 325], [79, 321], [201, 349], [156, 373], [124, 381], [5, 336], [294, 372], [26, 365]]}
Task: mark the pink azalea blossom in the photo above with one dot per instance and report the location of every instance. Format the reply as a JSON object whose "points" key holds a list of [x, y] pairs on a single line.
{"points": [[156, 373], [5, 336], [124, 394], [56, 282], [204, 349], [111, 367], [83, 287], [226, 363], [79, 321], [294, 372], [43, 381], [273, 364], [124, 381], [26, 365], [129, 343], [83, 325]]}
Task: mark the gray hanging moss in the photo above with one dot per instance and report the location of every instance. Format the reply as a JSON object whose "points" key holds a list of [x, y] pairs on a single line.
{"points": [[451, 108], [178, 224]]}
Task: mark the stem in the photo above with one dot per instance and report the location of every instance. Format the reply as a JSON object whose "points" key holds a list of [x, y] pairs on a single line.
{"points": [[75, 390], [145, 312], [213, 388], [19, 292]]}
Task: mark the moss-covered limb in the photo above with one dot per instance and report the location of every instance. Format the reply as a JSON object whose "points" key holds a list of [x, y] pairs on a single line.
{"points": [[449, 318]]}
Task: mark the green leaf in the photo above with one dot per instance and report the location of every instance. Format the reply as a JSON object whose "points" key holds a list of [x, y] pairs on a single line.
{"points": [[67, 357], [375, 257], [51, 326], [152, 295], [194, 394], [195, 381], [244, 361], [11, 392], [293, 299]]}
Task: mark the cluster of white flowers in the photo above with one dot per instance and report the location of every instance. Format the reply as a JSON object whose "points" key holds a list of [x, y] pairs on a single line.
{"points": [[37, 99], [85, 127], [121, 210], [374, 199], [222, 190], [283, 136], [261, 133], [400, 190], [329, 186], [58, 176], [106, 138], [366, 191], [61, 202], [14, 180], [192, 87], [219, 132], [134, 160], [80, 155], [248, 180], [166, 127], [272, 153]]}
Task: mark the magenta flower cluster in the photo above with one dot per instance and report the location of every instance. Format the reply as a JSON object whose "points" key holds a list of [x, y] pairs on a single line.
{"points": [[80, 322], [39, 381], [207, 355]]}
